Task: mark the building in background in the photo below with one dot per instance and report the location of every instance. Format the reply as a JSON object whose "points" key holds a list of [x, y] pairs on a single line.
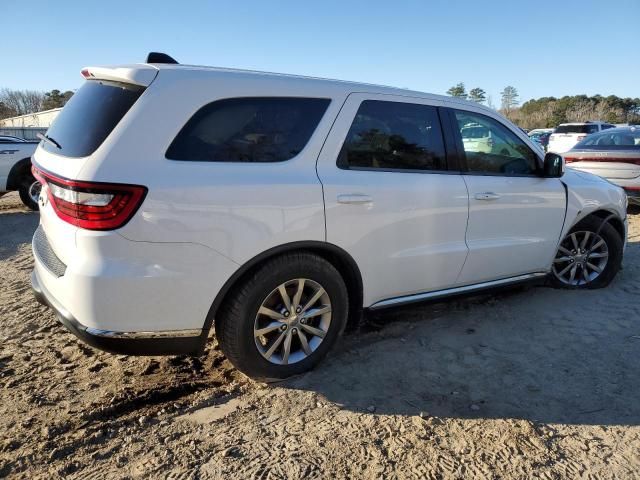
{"points": [[39, 119], [29, 125]]}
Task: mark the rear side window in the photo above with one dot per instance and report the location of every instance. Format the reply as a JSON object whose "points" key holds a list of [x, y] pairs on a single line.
{"points": [[394, 135], [588, 128], [269, 129], [90, 116], [612, 140]]}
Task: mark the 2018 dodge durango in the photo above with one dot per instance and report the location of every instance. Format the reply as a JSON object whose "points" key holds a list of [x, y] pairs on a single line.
{"points": [[273, 208]]}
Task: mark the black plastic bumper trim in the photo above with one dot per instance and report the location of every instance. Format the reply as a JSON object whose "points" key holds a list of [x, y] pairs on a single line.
{"points": [[123, 346]]}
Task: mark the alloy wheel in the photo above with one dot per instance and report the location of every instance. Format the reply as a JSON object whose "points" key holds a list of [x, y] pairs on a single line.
{"points": [[581, 258], [292, 321], [34, 191]]}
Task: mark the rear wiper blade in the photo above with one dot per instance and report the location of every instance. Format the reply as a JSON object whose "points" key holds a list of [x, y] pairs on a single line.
{"points": [[49, 140]]}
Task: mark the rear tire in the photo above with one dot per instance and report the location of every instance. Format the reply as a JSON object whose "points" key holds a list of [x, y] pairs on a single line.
{"points": [[252, 319], [29, 191], [590, 258]]}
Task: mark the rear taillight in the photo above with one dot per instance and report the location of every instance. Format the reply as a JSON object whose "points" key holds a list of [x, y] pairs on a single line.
{"points": [[632, 161], [91, 205], [581, 137]]}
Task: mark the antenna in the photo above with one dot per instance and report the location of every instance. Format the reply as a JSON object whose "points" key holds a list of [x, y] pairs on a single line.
{"points": [[159, 57]]}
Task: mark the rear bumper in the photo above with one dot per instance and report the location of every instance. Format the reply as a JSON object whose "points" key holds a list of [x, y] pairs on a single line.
{"points": [[177, 342]]}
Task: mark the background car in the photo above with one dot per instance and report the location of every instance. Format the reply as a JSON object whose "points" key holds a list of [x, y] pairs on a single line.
{"points": [[479, 138], [11, 139], [541, 136], [566, 135], [613, 154], [15, 169]]}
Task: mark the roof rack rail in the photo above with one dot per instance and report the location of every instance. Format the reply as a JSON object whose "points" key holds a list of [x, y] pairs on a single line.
{"points": [[159, 57]]}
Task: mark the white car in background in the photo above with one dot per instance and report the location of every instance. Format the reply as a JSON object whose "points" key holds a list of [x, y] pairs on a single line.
{"points": [[613, 154], [15, 169], [480, 139], [566, 135], [275, 208]]}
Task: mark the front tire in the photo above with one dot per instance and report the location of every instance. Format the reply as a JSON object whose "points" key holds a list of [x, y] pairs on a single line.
{"points": [[284, 317], [29, 191], [589, 256]]}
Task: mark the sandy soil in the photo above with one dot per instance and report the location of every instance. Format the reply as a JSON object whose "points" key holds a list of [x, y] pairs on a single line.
{"points": [[531, 383]]}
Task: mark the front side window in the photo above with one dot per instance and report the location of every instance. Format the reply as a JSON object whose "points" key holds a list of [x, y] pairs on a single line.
{"points": [[251, 129], [491, 148], [394, 135]]}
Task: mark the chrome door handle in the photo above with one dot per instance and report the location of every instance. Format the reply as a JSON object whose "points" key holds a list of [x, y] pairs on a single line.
{"points": [[487, 196], [354, 199]]}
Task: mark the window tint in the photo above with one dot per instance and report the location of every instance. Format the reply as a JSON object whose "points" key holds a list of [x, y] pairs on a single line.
{"points": [[393, 135], [90, 116], [270, 129], [498, 151], [587, 128], [607, 125]]}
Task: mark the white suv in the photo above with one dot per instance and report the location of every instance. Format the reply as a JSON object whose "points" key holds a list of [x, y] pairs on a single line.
{"points": [[274, 208], [566, 135]]}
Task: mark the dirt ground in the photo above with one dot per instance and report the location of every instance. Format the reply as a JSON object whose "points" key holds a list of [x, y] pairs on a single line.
{"points": [[531, 383]]}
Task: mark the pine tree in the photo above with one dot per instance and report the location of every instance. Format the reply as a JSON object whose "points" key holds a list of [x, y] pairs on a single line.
{"points": [[477, 95], [458, 91], [509, 98]]}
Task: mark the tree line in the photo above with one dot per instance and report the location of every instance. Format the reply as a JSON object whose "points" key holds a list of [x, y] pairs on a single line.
{"points": [[543, 112], [23, 102], [548, 112]]}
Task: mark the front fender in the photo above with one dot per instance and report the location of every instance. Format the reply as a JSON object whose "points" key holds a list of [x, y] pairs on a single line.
{"points": [[587, 194]]}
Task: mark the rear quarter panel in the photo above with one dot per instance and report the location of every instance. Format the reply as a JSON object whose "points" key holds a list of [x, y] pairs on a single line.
{"points": [[237, 209]]}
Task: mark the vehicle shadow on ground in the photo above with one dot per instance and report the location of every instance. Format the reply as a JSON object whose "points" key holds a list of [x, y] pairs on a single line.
{"points": [[16, 229], [539, 354]]}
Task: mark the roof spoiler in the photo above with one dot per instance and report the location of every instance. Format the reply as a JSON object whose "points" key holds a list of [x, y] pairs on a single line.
{"points": [[139, 74], [159, 57]]}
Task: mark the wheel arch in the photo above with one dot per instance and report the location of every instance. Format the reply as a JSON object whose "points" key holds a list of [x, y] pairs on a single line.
{"points": [[610, 216], [338, 257], [17, 171]]}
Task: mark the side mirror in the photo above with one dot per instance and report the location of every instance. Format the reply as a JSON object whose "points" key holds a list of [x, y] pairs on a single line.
{"points": [[553, 166]]}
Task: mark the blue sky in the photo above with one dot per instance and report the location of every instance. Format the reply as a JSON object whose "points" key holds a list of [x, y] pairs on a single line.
{"points": [[543, 48]]}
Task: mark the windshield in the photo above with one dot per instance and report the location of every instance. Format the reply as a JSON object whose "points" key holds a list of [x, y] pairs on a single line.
{"points": [[588, 128], [90, 116], [625, 139]]}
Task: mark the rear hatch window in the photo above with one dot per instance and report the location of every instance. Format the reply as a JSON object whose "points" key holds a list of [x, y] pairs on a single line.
{"points": [[576, 129], [90, 116]]}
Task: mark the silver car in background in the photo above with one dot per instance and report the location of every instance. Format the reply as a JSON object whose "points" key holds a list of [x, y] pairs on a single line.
{"points": [[613, 154]]}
